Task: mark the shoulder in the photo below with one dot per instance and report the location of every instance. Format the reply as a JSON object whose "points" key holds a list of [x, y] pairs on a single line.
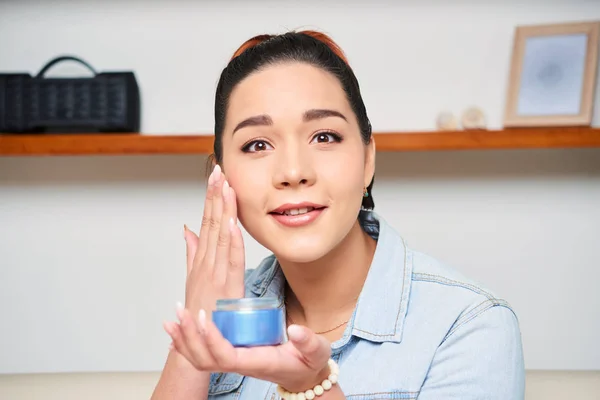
{"points": [[429, 269], [471, 329], [432, 279], [441, 286]]}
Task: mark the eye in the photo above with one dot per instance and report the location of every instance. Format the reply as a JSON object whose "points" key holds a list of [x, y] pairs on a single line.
{"points": [[326, 137], [256, 146]]}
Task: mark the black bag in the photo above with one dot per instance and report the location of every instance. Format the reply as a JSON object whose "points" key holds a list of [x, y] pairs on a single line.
{"points": [[106, 102]]}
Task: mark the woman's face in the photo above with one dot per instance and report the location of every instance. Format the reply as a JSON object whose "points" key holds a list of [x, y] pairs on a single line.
{"points": [[293, 153]]}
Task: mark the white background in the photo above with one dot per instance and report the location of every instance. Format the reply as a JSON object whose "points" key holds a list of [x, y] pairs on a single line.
{"points": [[92, 257]]}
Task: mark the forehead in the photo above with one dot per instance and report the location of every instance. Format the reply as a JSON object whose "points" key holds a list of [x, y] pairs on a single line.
{"points": [[286, 90]]}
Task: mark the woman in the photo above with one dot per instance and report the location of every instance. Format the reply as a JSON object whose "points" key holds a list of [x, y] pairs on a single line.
{"points": [[294, 163]]}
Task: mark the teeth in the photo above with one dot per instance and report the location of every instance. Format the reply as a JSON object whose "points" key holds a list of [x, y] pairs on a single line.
{"points": [[298, 211]]}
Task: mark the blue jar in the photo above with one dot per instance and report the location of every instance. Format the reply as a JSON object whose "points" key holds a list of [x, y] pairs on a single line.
{"points": [[250, 322]]}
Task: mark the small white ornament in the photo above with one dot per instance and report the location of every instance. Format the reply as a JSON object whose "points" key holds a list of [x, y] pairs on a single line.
{"points": [[446, 121], [473, 118]]}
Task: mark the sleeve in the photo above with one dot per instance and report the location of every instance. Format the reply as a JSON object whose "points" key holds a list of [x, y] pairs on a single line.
{"points": [[480, 358]]}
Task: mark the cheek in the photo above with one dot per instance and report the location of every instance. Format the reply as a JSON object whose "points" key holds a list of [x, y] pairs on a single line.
{"points": [[343, 172], [249, 187]]}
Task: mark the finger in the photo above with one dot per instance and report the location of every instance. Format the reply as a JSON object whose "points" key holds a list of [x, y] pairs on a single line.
{"points": [[205, 227], [215, 219], [195, 343], [237, 254], [191, 247], [224, 238], [314, 349], [221, 351], [177, 335], [233, 210], [178, 342]]}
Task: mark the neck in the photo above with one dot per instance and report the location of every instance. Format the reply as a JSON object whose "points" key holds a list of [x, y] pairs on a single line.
{"points": [[316, 296]]}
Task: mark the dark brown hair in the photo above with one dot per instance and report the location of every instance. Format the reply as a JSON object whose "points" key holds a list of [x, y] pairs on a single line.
{"points": [[311, 47]]}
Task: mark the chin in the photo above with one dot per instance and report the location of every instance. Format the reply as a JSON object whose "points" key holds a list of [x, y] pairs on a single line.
{"points": [[302, 248], [299, 255], [296, 247], [305, 244]]}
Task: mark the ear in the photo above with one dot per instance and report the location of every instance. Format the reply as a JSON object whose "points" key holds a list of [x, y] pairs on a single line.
{"points": [[370, 151]]}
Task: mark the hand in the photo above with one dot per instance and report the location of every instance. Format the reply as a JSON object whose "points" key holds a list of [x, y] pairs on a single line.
{"points": [[215, 270], [215, 258], [297, 365]]}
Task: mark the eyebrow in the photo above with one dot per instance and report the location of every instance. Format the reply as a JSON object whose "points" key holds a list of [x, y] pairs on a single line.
{"points": [[310, 115], [259, 120]]}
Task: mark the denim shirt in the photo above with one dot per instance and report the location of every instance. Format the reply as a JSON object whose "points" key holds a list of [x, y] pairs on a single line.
{"points": [[420, 330]]}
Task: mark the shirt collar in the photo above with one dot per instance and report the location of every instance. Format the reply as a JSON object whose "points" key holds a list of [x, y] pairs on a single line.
{"points": [[381, 310], [383, 302]]}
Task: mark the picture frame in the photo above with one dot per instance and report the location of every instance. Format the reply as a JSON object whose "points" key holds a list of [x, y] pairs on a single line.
{"points": [[553, 75]]}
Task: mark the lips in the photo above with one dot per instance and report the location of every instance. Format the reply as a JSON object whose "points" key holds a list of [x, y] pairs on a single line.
{"points": [[296, 209], [296, 215]]}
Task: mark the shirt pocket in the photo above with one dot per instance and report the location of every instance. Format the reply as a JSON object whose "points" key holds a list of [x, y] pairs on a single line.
{"points": [[225, 386]]}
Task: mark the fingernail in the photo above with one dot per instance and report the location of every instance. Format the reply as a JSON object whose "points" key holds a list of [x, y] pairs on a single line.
{"points": [[202, 320], [179, 310], [217, 172], [296, 333], [171, 346], [168, 328], [185, 228], [225, 190], [211, 178]]}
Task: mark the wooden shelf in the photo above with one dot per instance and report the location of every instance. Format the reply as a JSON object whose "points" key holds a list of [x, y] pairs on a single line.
{"points": [[131, 144]]}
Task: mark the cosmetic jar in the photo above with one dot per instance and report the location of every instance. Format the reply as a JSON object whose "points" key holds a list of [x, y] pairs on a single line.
{"points": [[250, 322]]}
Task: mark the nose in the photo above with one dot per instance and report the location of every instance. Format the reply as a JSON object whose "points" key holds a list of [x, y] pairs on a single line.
{"points": [[294, 167]]}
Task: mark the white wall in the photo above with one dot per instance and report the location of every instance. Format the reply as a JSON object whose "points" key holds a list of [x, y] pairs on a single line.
{"points": [[92, 255]]}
